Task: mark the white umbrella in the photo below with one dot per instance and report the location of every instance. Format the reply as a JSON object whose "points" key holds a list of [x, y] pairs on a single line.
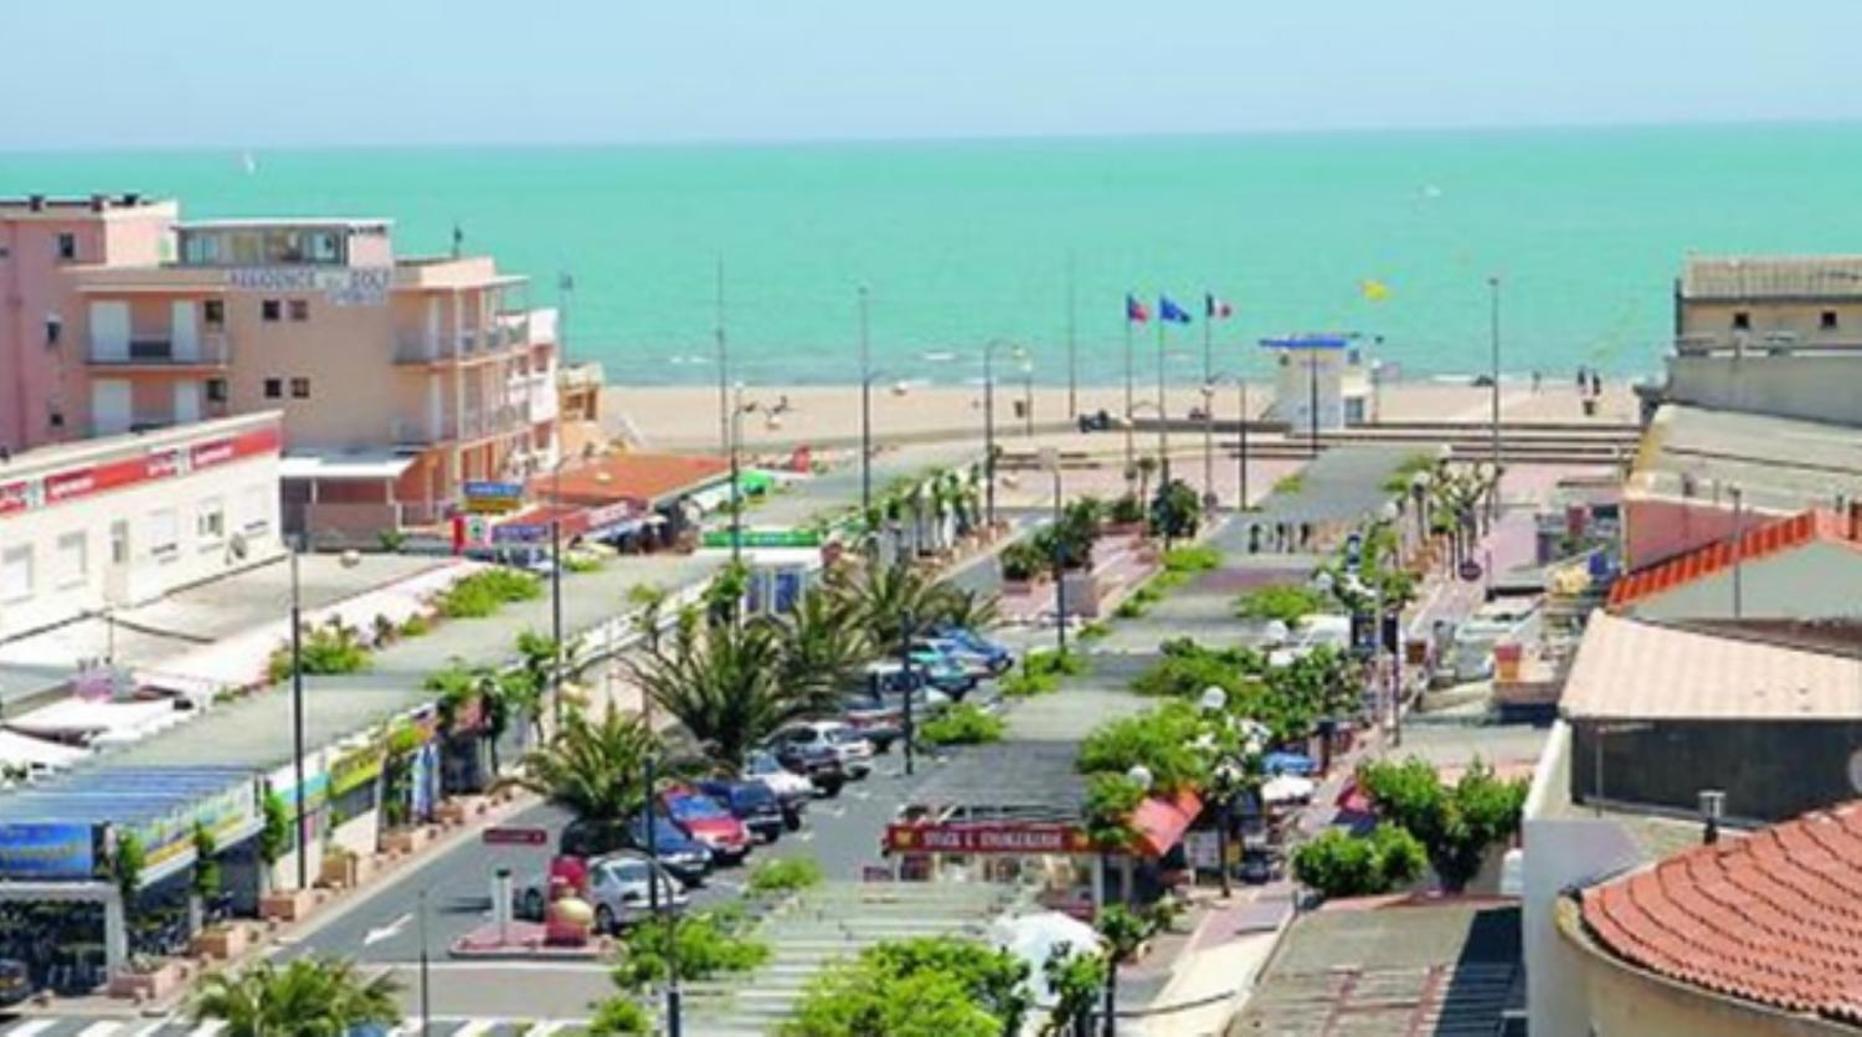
{"points": [[1287, 788], [1033, 939]]}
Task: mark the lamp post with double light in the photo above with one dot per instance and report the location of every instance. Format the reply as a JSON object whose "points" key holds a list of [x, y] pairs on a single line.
{"points": [[989, 426], [1241, 427]]}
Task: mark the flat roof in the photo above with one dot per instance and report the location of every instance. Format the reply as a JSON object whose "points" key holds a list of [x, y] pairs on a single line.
{"points": [[1027, 780], [359, 465], [262, 222], [1749, 278], [1632, 669], [1779, 464], [648, 477], [118, 795]]}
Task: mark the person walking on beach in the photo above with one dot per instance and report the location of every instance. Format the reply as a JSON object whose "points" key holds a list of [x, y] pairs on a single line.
{"points": [[1535, 382], [1596, 383], [1582, 381]]}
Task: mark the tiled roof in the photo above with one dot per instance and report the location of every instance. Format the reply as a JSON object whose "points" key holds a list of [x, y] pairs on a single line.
{"points": [[632, 476], [1774, 918], [1633, 669], [1736, 278], [1757, 542]]}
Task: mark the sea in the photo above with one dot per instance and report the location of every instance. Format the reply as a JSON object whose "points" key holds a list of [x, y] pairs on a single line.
{"points": [[1389, 236]]}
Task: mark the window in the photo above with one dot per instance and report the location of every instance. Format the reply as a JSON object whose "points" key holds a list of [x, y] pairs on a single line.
{"points": [[16, 573], [213, 312], [1742, 321], [54, 330], [73, 563], [300, 388], [325, 246], [274, 388], [210, 521], [216, 390], [353, 803], [164, 535], [56, 419], [67, 247], [269, 310], [300, 310], [1828, 321]]}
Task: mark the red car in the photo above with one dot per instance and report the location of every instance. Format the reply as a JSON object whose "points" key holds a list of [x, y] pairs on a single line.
{"points": [[709, 822]]}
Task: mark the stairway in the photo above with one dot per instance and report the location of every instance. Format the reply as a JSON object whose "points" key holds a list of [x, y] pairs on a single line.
{"points": [[835, 921]]}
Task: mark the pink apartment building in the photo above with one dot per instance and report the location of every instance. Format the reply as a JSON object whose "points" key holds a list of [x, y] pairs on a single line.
{"points": [[41, 241], [400, 378]]}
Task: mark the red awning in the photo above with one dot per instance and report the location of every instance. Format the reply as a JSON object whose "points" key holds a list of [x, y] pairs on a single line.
{"points": [[1160, 821]]}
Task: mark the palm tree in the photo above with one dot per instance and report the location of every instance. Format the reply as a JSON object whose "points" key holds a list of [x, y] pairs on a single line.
{"points": [[310, 997], [879, 601], [822, 647], [593, 769], [727, 686]]}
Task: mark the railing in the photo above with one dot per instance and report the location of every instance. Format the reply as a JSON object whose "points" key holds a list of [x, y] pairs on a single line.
{"points": [[212, 349], [1779, 343]]}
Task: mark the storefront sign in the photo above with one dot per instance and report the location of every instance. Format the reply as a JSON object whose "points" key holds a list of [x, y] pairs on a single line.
{"points": [[517, 836], [493, 498], [341, 286], [355, 770], [772, 538], [78, 483], [1029, 837], [47, 851], [15, 496]]}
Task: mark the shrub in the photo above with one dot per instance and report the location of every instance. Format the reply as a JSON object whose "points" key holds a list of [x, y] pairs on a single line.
{"points": [[1455, 824], [1126, 510], [1110, 801], [1193, 559], [710, 943], [1176, 513], [581, 563], [481, 593], [1162, 739], [1286, 602], [934, 986], [1094, 631], [326, 650], [1051, 661], [416, 626], [1022, 561], [1288, 485], [1338, 864], [620, 1017], [965, 723], [785, 875]]}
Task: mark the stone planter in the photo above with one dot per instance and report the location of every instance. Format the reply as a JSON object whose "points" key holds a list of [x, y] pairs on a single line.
{"points": [[152, 985], [404, 840], [1122, 529], [345, 870], [1082, 593], [222, 941], [1018, 586], [288, 905]]}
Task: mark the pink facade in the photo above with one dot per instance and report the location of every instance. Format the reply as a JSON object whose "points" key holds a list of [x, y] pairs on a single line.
{"points": [[1656, 528], [42, 241]]}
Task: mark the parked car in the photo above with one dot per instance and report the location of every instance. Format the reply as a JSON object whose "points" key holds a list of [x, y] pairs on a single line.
{"points": [[1258, 867], [685, 857], [793, 789], [819, 761], [887, 681], [709, 822], [969, 642], [15, 982], [852, 749], [750, 802], [618, 889], [975, 664], [943, 672]]}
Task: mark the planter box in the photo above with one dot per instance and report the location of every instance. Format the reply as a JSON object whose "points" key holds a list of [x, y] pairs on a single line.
{"points": [[289, 905], [1082, 593], [404, 840], [1122, 529], [149, 986], [345, 871], [222, 941]]}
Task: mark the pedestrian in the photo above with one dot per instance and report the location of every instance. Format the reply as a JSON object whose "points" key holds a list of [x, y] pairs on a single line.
{"points": [[1582, 380], [1535, 382], [1596, 383]]}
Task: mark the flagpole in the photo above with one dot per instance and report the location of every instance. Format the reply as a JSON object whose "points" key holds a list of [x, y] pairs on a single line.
{"points": [[1073, 378], [1131, 458], [1163, 416], [724, 392]]}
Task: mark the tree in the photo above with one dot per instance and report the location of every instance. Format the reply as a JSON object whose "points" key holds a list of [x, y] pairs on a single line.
{"points": [[881, 598], [1286, 602], [1075, 978], [274, 834], [593, 769], [821, 649], [126, 869], [934, 986], [1162, 740], [310, 997], [1147, 467], [728, 686], [1456, 825], [1176, 512], [1339, 864]]}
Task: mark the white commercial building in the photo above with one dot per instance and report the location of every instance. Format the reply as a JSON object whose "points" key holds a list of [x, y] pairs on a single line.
{"points": [[1321, 383], [124, 520]]}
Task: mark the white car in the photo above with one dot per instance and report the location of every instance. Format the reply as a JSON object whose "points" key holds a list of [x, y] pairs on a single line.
{"points": [[785, 783], [851, 747], [618, 889]]}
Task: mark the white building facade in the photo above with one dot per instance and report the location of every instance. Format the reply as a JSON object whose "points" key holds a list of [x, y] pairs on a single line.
{"points": [[123, 520]]}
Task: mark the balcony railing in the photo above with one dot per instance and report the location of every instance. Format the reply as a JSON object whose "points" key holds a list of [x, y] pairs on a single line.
{"points": [[211, 350]]}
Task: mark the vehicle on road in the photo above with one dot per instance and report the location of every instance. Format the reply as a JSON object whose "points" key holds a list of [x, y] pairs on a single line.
{"points": [[1258, 867], [750, 802], [818, 761], [943, 672], [976, 664], [618, 890], [793, 789], [851, 748], [969, 643], [15, 982], [685, 857], [709, 822]]}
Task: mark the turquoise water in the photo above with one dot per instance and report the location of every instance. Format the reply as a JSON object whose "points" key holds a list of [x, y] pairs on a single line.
{"points": [[962, 242]]}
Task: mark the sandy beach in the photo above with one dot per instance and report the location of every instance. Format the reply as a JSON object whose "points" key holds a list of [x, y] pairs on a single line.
{"points": [[685, 418]]}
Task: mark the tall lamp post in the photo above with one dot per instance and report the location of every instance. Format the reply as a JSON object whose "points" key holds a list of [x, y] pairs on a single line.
{"points": [[989, 428], [349, 560], [1050, 458], [1241, 426], [1493, 292], [866, 411]]}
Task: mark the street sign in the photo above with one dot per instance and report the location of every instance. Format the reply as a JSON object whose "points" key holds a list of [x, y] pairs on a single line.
{"points": [[517, 837], [1026, 837], [771, 538]]}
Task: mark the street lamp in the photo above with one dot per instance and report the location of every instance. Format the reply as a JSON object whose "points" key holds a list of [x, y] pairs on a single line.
{"points": [[989, 426], [1050, 458], [348, 560], [867, 378], [739, 407], [1241, 426]]}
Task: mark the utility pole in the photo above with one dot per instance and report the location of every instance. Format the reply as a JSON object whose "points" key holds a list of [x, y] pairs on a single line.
{"points": [[1073, 371], [1739, 549], [1493, 289], [297, 717], [724, 368], [426, 1007], [866, 412]]}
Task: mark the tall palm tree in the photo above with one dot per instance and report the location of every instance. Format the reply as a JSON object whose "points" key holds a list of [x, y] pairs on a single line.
{"points": [[822, 647], [880, 599], [727, 686], [592, 768], [310, 997]]}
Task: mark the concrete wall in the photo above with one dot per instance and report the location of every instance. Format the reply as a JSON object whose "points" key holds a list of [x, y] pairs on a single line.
{"points": [[1769, 770], [1656, 528], [1560, 852], [1800, 318], [1812, 388], [1624, 1001]]}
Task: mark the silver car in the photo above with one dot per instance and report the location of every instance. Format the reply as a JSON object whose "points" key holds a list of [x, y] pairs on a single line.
{"points": [[617, 890]]}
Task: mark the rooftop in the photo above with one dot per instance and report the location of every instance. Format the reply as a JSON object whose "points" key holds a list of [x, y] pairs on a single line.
{"points": [[1384, 966], [1743, 278], [1771, 918], [63, 208], [1632, 669], [1759, 541], [266, 222], [1780, 464], [652, 478], [1028, 780]]}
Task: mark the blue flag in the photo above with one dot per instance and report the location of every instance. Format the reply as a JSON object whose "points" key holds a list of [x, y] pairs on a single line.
{"points": [[1170, 311]]}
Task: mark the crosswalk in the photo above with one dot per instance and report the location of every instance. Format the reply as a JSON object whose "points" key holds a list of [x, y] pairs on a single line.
{"points": [[441, 1026]]}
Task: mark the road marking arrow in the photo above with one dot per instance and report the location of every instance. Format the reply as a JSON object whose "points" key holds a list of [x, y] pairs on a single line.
{"points": [[387, 932]]}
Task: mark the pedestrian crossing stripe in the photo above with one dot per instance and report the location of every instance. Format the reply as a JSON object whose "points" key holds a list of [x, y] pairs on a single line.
{"points": [[32, 1028], [179, 1026], [100, 1029]]}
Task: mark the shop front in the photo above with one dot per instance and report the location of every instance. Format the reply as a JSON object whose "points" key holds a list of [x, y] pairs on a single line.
{"points": [[1054, 856], [784, 563]]}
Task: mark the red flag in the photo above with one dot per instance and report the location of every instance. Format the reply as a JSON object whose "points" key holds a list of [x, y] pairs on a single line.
{"points": [[1135, 311]]}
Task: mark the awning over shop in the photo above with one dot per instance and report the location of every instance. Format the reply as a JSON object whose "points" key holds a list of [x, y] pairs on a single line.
{"points": [[1160, 821], [367, 465], [533, 526]]}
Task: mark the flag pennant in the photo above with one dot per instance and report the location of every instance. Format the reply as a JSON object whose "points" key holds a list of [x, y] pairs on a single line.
{"points": [[1216, 309], [1135, 312], [1373, 290], [1170, 311]]}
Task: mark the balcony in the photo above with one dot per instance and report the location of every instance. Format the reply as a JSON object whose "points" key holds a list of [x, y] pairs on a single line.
{"points": [[161, 354]]}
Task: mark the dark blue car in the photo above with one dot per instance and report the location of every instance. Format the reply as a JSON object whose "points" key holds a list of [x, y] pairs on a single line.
{"points": [[751, 802]]}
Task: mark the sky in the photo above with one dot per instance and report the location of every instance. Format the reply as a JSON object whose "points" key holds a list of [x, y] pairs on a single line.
{"points": [[214, 73]]}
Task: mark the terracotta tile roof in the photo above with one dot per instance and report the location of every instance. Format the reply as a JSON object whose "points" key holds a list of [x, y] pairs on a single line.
{"points": [[1633, 669], [1774, 918], [1758, 541], [632, 476]]}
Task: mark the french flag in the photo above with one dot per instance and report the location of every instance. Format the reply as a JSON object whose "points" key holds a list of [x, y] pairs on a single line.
{"points": [[1216, 309], [1135, 311]]}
